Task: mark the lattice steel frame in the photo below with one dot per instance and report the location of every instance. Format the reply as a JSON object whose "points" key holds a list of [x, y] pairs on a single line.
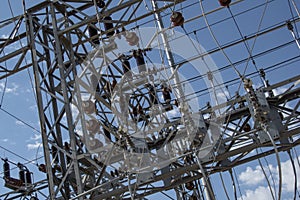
{"points": [[57, 28]]}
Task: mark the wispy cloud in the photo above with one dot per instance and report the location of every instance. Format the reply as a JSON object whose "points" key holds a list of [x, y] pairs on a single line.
{"points": [[36, 137], [18, 122], [9, 89], [34, 146], [34, 142], [33, 107]]}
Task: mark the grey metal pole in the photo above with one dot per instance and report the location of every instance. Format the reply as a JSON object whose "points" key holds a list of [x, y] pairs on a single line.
{"points": [[208, 188], [167, 49], [66, 104], [208, 191], [30, 29]]}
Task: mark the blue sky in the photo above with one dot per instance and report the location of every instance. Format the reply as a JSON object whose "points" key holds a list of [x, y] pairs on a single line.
{"points": [[19, 98]]}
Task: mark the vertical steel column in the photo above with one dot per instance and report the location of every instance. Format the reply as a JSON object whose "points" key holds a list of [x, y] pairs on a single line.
{"points": [[209, 193], [167, 48], [171, 62], [58, 131], [66, 102], [170, 57], [73, 141], [30, 32]]}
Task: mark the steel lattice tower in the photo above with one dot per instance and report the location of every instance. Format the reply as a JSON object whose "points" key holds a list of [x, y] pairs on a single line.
{"points": [[55, 35]]}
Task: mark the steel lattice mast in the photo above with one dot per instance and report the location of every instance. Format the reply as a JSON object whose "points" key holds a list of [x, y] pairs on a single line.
{"points": [[56, 39]]}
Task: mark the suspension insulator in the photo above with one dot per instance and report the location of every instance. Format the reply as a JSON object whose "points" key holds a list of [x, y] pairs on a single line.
{"points": [[152, 95], [116, 172], [22, 175], [131, 38], [247, 128], [126, 66], [109, 26], [137, 54], [100, 3], [92, 126], [177, 19], [153, 137], [6, 169], [88, 107], [112, 173], [67, 146], [224, 2], [289, 25], [93, 33], [42, 168], [189, 185], [262, 73], [67, 149], [28, 177], [166, 94]]}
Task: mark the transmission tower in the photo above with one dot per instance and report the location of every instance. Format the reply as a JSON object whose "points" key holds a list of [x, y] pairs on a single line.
{"points": [[130, 104]]}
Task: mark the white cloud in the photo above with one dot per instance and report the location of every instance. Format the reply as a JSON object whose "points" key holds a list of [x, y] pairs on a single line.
{"points": [[33, 107], [36, 137], [9, 89], [288, 175], [34, 146], [18, 122], [4, 140], [252, 177], [261, 193]]}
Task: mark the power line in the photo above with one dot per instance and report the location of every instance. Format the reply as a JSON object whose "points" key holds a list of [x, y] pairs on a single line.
{"points": [[14, 153], [17, 118]]}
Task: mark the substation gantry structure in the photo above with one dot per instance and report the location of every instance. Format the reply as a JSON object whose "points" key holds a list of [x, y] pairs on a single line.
{"points": [[70, 43]]}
